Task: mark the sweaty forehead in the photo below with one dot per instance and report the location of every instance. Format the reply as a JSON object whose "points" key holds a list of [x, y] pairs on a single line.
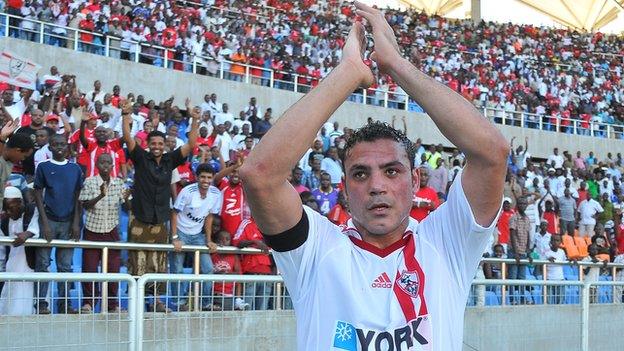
{"points": [[376, 153]]}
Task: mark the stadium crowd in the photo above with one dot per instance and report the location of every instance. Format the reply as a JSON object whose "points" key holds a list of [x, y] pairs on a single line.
{"points": [[568, 77]]}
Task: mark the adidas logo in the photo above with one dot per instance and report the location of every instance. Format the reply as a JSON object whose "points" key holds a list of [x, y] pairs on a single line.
{"points": [[382, 282]]}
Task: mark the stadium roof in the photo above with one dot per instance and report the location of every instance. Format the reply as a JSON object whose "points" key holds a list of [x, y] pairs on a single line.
{"points": [[587, 15], [584, 15]]}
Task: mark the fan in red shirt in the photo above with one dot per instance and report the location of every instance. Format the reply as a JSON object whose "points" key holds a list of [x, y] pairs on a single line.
{"points": [[339, 214], [550, 215], [87, 25], [101, 144], [234, 208], [248, 235], [425, 199], [503, 223], [82, 157]]}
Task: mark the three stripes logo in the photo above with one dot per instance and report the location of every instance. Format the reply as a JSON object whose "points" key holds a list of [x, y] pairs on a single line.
{"points": [[382, 282]]}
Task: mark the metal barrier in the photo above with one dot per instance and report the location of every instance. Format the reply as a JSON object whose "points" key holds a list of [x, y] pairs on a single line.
{"points": [[216, 327], [101, 331]]}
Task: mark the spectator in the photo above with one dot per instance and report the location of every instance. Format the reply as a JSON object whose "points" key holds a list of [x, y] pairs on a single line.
{"points": [[151, 196], [541, 240], [503, 223], [550, 215], [36, 124], [43, 153], [59, 214], [22, 223], [191, 219], [587, 213], [567, 209], [519, 236], [339, 214], [101, 196], [494, 270], [607, 207], [312, 178], [101, 145], [555, 272], [225, 295], [235, 209], [332, 165], [326, 195], [438, 178], [13, 148], [425, 199], [248, 235], [296, 178]]}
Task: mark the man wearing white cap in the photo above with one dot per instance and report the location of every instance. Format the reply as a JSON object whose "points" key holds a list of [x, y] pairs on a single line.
{"points": [[22, 223]]}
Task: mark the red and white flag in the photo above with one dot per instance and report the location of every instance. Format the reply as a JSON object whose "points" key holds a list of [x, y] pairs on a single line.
{"points": [[18, 71]]}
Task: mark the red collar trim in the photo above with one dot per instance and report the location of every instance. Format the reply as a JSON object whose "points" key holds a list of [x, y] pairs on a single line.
{"points": [[381, 252]]}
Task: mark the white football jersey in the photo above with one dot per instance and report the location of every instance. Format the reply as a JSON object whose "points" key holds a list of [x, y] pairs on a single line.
{"points": [[351, 295]]}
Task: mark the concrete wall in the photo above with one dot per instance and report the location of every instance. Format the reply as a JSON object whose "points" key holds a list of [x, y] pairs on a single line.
{"points": [[159, 84], [517, 328]]}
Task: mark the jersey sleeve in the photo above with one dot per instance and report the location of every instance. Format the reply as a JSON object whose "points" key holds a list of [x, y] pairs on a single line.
{"points": [[218, 203], [455, 234], [181, 200], [299, 251]]}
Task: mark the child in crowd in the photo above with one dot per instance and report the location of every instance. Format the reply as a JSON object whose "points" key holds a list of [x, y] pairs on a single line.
{"points": [[226, 264]]}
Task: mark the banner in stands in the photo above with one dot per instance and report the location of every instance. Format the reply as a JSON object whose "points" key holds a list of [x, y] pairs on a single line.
{"points": [[18, 71]]}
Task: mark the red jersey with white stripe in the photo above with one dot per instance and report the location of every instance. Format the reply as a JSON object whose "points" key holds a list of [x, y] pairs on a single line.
{"points": [[351, 295], [112, 147]]}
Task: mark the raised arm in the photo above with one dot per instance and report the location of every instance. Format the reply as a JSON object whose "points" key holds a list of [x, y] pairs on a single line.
{"points": [[187, 148], [274, 203], [457, 119], [126, 110]]}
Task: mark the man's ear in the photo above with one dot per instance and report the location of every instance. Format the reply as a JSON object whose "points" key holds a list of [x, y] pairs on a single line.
{"points": [[416, 179]]}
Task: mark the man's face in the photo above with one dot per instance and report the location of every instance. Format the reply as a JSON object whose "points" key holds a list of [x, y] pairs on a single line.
{"points": [[37, 118], [506, 204], [543, 226], [325, 181], [205, 179], [216, 224], [555, 242], [424, 177], [297, 176], [97, 85], [7, 96], [53, 123], [203, 132], [116, 90], [499, 251], [173, 130], [379, 185], [104, 164], [332, 153], [213, 97], [101, 136], [14, 208], [58, 147], [234, 178], [156, 145], [316, 164], [170, 143], [248, 143], [522, 205], [225, 108], [135, 108], [252, 102], [41, 137]]}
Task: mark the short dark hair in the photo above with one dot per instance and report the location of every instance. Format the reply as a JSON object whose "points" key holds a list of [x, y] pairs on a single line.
{"points": [[376, 131], [205, 168], [156, 133], [20, 141]]}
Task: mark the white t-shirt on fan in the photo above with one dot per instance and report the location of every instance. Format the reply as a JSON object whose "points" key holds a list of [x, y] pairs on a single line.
{"points": [[192, 209], [350, 295]]}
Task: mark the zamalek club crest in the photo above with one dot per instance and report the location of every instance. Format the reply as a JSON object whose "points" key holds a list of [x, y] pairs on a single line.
{"points": [[16, 67], [409, 283]]}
